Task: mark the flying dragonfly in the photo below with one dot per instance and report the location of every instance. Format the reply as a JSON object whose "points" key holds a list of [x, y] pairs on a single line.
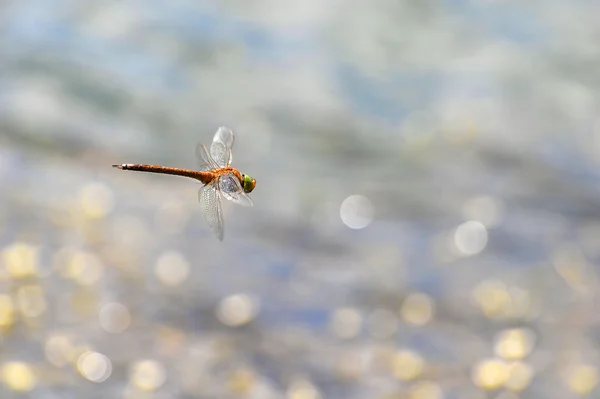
{"points": [[215, 172]]}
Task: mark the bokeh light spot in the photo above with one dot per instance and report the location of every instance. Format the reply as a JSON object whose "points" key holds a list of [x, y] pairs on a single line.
{"points": [[133, 233], [242, 381], [357, 212], [114, 318], [407, 365], [18, 376], [85, 268], [470, 238], [492, 297], [172, 268], [94, 366], [31, 300], [85, 303], [346, 323], [59, 350], [170, 341], [514, 344], [20, 260], [417, 309], [571, 264], [490, 374], [148, 375], [426, 390], [172, 217], [519, 376], [236, 310], [583, 379], [303, 389], [7, 312], [97, 200]]}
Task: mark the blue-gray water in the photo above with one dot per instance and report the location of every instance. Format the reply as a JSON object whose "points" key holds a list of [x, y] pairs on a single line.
{"points": [[460, 139]]}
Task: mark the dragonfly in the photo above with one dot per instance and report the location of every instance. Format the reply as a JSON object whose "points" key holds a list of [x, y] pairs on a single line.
{"points": [[219, 179]]}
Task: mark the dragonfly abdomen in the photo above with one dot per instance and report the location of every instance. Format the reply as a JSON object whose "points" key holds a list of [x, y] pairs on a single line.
{"points": [[204, 177]]}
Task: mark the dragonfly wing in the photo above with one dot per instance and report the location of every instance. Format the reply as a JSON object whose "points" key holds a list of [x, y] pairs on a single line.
{"points": [[205, 161], [220, 150], [230, 188], [210, 202]]}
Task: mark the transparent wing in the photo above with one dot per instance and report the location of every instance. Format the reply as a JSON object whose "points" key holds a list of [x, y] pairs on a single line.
{"points": [[205, 162], [220, 150], [231, 189], [210, 203]]}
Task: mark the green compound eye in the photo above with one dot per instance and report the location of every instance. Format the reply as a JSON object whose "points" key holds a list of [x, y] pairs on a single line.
{"points": [[249, 183]]}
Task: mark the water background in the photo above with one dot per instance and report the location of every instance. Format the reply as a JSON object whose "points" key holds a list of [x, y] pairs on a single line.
{"points": [[426, 219]]}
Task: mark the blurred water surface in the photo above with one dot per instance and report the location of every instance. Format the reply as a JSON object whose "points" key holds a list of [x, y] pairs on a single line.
{"points": [[426, 211]]}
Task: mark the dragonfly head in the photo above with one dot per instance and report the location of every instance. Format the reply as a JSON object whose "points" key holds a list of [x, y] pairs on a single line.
{"points": [[249, 183]]}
